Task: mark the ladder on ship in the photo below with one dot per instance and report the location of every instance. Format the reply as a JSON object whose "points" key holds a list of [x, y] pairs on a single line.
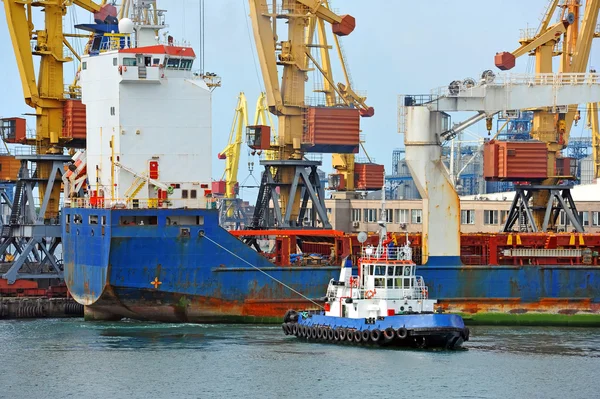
{"points": [[15, 212], [136, 187]]}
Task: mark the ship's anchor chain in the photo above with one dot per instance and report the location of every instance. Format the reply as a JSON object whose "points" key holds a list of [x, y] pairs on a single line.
{"points": [[262, 271]]}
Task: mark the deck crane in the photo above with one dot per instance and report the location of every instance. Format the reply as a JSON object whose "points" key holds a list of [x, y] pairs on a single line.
{"points": [[424, 121], [296, 181], [231, 153], [576, 32]]}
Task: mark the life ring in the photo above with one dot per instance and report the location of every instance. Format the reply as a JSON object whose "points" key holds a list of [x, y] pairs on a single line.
{"points": [[366, 335], [375, 335], [357, 336], [370, 294], [342, 334], [424, 292], [285, 328], [402, 333], [120, 69], [124, 69], [389, 334]]}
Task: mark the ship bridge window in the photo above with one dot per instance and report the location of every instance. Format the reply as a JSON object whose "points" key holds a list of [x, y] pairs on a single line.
{"points": [[173, 63], [155, 61], [380, 282], [186, 64], [390, 270], [398, 271], [380, 270], [129, 62], [407, 270]]}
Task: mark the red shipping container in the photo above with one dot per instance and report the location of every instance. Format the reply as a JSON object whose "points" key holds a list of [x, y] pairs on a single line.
{"points": [[74, 125], [515, 160], [218, 187], [566, 167], [332, 130], [368, 176], [13, 130]]}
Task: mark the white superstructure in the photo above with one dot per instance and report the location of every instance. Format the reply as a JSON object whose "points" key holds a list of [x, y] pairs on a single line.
{"points": [[148, 121]]}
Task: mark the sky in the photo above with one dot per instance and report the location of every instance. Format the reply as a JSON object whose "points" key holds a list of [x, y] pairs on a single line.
{"points": [[398, 47]]}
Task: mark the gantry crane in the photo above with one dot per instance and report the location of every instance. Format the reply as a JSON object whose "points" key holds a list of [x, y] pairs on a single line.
{"points": [[58, 114], [296, 181], [576, 31]]}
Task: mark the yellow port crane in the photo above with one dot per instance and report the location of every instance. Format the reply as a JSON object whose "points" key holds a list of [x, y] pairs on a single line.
{"points": [[296, 181], [576, 31], [231, 153], [46, 94]]}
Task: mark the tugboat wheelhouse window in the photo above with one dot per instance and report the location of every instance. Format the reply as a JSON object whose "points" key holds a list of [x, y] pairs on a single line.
{"points": [[129, 62]]}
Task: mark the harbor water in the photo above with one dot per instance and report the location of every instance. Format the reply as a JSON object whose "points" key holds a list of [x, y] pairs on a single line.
{"points": [[70, 358]]}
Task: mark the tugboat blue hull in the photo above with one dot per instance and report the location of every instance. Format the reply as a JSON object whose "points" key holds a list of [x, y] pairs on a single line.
{"points": [[430, 330]]}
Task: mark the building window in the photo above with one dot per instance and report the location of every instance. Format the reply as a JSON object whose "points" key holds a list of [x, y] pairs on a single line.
{"points": [[83, 66], [467, 216], [490, 217], [503, 216], [564, 221], [584, 218], [389, 215], [356, 215], [416, 216], [595, 218], [184, 193], [401, 215]]}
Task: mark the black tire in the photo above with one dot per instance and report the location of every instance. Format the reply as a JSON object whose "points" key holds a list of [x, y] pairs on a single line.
{"points": [[319, 332], [350, 335], [303, 331], [357, 336], [336, 334], [375, 335], [343, 334], [366, 336], [402, 333], [313, 332], [389, 334], [330, 334], [466, 333], [285, 328]]}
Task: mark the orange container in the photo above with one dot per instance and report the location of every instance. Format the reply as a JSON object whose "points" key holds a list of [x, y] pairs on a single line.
{"points": [[504, 61], [9, 168], [74, 125], [218, 187], [332, 130], [13, 130], [368, 176], [515, 160]]}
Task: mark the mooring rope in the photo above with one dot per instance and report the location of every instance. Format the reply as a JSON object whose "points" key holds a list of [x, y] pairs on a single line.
{"points": [[263, 272]]}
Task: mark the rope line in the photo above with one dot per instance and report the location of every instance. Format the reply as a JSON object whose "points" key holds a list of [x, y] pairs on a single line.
{"points": [[263, 272]]}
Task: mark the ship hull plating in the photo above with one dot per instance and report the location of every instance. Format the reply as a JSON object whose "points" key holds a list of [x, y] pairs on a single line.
{"points": [[198, 272]]}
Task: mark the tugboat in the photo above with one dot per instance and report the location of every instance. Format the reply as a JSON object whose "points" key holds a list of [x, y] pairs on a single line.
{"points": [[386, 304]]}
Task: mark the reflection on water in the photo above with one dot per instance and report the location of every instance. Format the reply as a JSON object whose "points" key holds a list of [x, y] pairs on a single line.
{"points": [[138, 360]]}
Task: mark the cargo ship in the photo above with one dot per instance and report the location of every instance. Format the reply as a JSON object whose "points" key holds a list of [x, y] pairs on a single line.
{"points": [[143, 240]]}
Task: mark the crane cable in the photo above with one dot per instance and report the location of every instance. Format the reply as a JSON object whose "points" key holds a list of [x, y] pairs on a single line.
{"points": [[260, 82], [263, 272]]}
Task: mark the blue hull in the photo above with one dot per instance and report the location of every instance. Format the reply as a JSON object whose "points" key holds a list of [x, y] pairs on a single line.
{"points": [[199, 272], [432, 330]]}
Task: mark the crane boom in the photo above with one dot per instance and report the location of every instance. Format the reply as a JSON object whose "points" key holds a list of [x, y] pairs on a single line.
{"points": [[231, 153]]}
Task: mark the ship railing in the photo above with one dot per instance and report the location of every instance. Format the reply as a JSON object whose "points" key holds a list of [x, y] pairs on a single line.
{"points": [[462, 89], [386, 253], [148, 203]]}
